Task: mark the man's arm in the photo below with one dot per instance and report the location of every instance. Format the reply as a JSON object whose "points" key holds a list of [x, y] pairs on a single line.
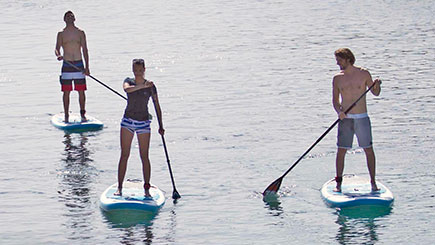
{"points": [[336, 98], [85, 52], [58, 45], [376, 90]]}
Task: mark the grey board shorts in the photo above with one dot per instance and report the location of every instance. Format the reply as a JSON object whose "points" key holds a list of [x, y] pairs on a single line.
{"points": [[355, 124]]}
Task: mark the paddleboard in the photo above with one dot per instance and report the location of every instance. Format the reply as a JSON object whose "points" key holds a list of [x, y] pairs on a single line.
{"points": [[75, 123], [355, 191], [132, 198]]}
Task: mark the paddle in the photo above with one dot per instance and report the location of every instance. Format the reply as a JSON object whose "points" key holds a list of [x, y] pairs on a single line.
{"points": [[273, 188], [69, 63], [175, 194]]}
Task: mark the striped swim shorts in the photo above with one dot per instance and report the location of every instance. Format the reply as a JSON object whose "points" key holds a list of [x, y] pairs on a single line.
{"points": [[140, 127], [70, 74]]}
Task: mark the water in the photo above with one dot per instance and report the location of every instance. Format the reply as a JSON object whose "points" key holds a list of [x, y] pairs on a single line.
{"points": [[245, 87]]}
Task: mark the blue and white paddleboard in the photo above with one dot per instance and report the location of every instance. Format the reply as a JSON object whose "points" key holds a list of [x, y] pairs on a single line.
{"points": [[132, 198], [355, 191], [75, 123]]}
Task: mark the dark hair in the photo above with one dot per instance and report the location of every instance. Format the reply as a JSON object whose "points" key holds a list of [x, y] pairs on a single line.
{"points": [[139, 62], [346, 54], [67, 12]]}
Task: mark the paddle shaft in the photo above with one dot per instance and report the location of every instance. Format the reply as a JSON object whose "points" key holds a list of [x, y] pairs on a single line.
{"points": [[326, 132], [175, 194], [167, 159], [75, 67]]}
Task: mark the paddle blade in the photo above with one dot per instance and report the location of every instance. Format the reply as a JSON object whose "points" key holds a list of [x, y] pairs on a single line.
{"points": [[273, 188], [175, 195]]}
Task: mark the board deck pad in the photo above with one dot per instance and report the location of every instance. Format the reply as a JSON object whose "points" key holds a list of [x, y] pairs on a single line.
{"points": [[132, 198], [355, 191], [75, 123]]}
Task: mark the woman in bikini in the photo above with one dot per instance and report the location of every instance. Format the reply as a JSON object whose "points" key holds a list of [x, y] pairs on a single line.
{"points": [[137, 119]]}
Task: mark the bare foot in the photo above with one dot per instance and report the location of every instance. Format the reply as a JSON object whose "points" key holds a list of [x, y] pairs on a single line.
{"points": [[147, 193], [118, 192], [374, 187], [82, 114], [338, 180], [147, 187]]}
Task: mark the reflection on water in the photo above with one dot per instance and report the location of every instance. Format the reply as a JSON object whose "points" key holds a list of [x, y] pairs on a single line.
{"points": [[172, 225], [76, 175], [137, 226], [272, 200], [128, 218], [273, 204], [358, 225], [133, 235]]}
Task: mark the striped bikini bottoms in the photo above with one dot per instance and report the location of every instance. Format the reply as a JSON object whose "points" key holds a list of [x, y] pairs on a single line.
{"points": [[140, 127]]}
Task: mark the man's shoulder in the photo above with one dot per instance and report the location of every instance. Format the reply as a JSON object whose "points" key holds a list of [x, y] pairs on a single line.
{"points": [[80, 30], [364, 73], [338, 75], [73, 29], [362, 70]]}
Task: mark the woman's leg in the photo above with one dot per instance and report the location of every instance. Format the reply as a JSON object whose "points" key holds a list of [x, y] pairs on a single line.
{"points": [[126, 138], [144, 145]]}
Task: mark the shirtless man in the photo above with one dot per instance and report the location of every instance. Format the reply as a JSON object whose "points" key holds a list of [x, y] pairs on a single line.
{"points": [[349, 84], [73, 42]]}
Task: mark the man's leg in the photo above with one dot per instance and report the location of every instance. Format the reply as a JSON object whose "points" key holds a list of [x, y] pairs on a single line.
{"points": [[344, 142], [82, 102], [66, 104], [339, 167], [371, 164]]}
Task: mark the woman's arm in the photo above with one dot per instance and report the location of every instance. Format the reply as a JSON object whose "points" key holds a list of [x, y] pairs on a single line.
{"points": [[158, 111], [131, 88]]}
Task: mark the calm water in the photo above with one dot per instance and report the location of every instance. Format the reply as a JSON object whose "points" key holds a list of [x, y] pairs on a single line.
{"points": [[245, 87]]}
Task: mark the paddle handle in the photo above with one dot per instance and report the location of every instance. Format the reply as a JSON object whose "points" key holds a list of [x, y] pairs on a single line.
{"points": [[327, 131], [77, 68]]}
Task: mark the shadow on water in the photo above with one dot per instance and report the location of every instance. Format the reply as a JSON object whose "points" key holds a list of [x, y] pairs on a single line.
{"points": [[359, 225], [76, 176]]}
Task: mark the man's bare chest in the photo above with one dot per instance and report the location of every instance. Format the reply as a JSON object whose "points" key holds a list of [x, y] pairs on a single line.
{"points": [[352, 84], [71, 37]]}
